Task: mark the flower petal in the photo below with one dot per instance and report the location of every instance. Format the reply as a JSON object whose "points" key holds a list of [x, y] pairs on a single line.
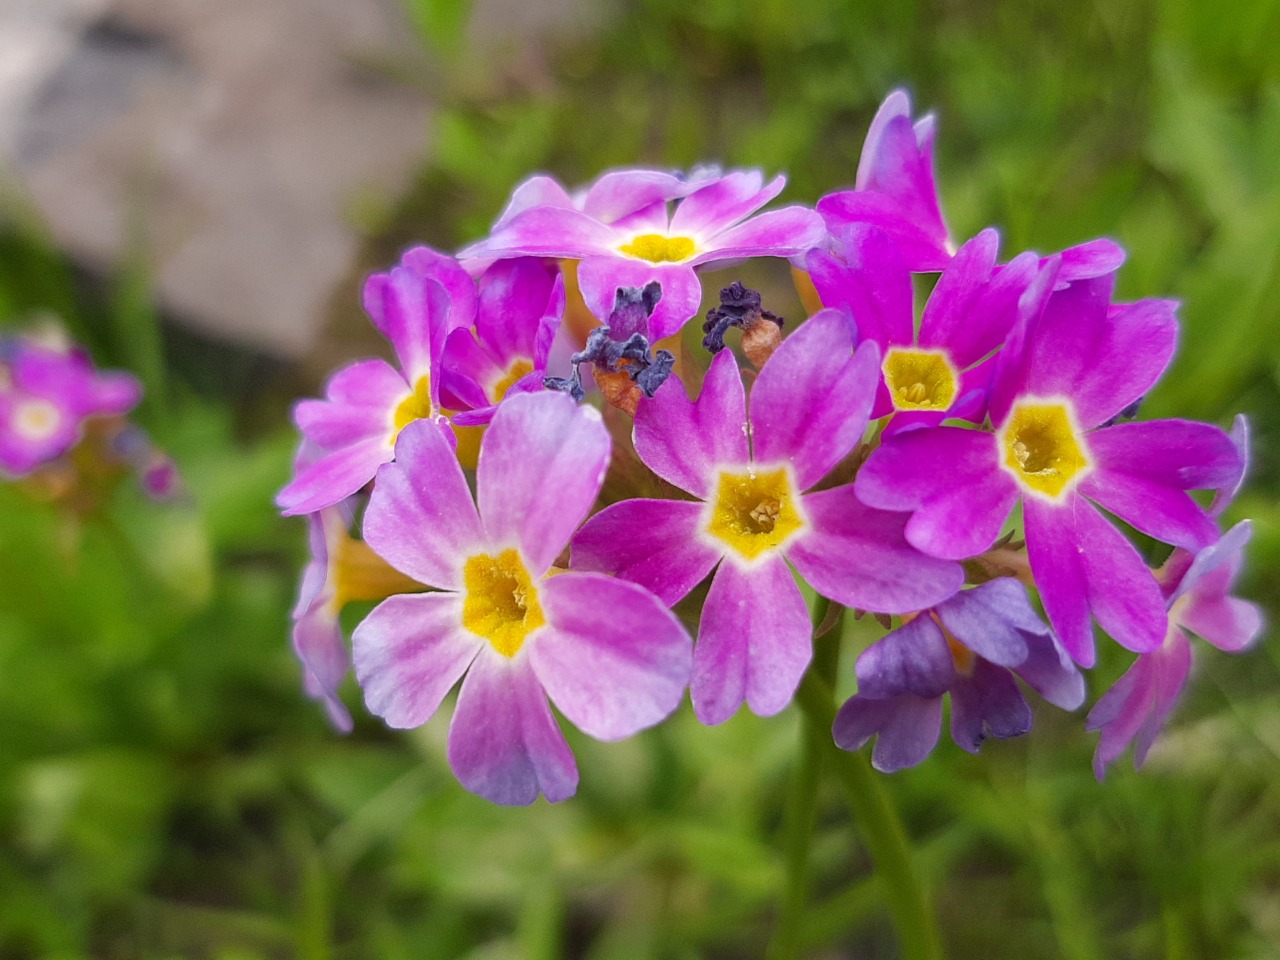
{"points": [[541, 465], [409, 652], [612, 659], [504, 744], [754, 642], [1059, 571], [654, 543], [906, 729], [857, 556], [547, 231], [1158, 511], [810, 404], [913, 659], [1123, 594], [333, 477], [421, 518], [684, 441], [987, 703], [722, 202], [788, 232], [619, 193], [1180, 454], [514, 296], [872, 282], [600, 277], [993, 620], [413, 312]]}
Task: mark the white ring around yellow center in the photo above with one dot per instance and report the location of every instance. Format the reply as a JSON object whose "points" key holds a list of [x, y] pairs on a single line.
{"points": [[754, 511], [1042, 446], [36, 420]]}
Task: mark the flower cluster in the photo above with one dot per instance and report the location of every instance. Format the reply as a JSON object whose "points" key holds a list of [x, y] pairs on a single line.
{"points": [[528, 531], [63, 429]]}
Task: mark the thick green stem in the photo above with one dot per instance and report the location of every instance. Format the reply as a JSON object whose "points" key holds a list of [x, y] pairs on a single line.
{"points": [[802, 805], [881, 829]]}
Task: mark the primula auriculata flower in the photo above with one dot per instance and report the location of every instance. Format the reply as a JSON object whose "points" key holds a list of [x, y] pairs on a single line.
{"points": [[609, 655], [1197, 589], [712, 224], [368, 403], [47, 393], [943, 370], [749, 470], [969, 646], [1083, 362], [895, 188]]}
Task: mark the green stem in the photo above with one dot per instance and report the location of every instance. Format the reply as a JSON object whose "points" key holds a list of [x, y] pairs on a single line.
{"points": [[802, 805], [881, 829]]}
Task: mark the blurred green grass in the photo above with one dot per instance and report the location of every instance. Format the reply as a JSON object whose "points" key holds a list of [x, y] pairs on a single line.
{"points": [[166, 791]]}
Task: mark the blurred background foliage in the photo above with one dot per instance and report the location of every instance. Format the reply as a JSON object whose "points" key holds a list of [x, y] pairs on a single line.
{"points": [[166, 790]]}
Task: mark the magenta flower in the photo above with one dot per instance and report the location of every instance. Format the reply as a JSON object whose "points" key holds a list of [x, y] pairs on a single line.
{"points": [[969, 646], [749, 470], [1084, 362], [943, 370], [609, 655], [895, 188], [504, 348], [368, 403], [46, 394], [709, 225]]}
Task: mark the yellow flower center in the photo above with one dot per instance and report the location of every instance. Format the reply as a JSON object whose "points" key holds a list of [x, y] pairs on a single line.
{"points": [[919, 379], [501, 601], [754, 512], [657, 248], [1043, 448], [36, 419], [519, 369], [415, 406]]}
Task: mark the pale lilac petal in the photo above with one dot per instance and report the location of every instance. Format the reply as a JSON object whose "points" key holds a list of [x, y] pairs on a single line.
{"points": [[412, 312], [993, 620], [318, 643], [950, 477], [599, 279], [988, 703], [1227, 492], [884, 126], [1123, 594], [1173, 664], [655, 543], [1229, 623], [618, 193], [421, 518], [723, 202], [1059, 570], [873, 283], [857, 556], [1208, 610], [541, 465], [1103, 361], [1048, 670], [504, 744], [409, 652], [612, 658], [1121, 711], [450, 274], [754, 642], [514, 296], [913, 659], [906, 729], [685, 441], [333, 477], [788, 232], [649, 219], [810, 404], [547, 232], [1158, 511], [537, 191]]}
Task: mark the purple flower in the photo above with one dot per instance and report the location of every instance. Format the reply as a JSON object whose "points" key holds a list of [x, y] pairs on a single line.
{"points": [[749, 471], [368, 403], [709, 225], [504, 348], [1054, 447], [895, 188], [46, 394], [970, 646], [943, 370], [609, 655]]}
